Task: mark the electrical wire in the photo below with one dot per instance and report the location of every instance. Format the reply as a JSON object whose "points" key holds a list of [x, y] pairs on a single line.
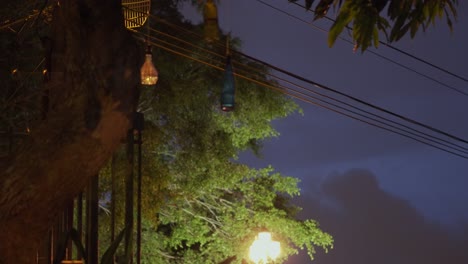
{"points": [[400, 50], [251, 69], [325, 87], [465, 93], [221, 45], [303, 97], [359, 100], [327, 105]]}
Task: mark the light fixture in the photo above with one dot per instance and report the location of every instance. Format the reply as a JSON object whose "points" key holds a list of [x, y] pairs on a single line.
{"points": [[149, 74], [264, 249], [228, 88]]}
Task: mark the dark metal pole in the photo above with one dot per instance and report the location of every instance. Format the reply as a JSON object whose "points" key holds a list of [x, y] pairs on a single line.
{"points": [[92, 201], [79, 222], [129, 199], [112, 205], [138, 125], [139, 200], [68, 227]]}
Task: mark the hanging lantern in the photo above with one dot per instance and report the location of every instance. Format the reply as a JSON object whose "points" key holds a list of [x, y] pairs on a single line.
{"points": [[227, 94], [210, 16], [149, 74], [135, 12]]}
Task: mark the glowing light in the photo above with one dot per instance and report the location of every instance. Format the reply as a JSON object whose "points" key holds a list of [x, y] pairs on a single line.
{"points": [[149, 74], [264, 249]]}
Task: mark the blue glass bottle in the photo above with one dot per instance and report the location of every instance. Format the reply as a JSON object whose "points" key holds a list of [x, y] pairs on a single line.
{"points": [[227, 94]]}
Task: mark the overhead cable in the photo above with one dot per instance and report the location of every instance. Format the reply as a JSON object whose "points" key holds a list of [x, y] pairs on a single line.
{"points": [[251, 69], [407, 119], [301, 96], [298, 95], [458, 90], [322, 86], [400, 51]]}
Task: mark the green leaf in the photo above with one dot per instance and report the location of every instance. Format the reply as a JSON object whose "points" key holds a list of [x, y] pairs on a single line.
{"points": [[449, 23], [397, 29], [414, 28], [452, 8], [376, 37], [341, 21]]}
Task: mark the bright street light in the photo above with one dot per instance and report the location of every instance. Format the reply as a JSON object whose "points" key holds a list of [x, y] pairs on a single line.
{"points": [[264, 249]]}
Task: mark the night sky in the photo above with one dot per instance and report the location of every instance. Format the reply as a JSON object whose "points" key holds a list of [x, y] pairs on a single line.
{"points": [[384, 198]]}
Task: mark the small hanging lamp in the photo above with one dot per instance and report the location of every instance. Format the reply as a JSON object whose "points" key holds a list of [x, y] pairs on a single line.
{"points": [[149, 74], [210, 17], [227, 93]]}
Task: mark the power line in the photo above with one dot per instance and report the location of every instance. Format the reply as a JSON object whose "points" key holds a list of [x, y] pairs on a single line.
{"points": [[373, 52], [302, 95], [332, 90], [250, 70], [357, 99], [400, 51], [327, 105], [302, 98]]}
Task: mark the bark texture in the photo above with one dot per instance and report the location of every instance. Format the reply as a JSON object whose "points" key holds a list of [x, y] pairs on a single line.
{"points": [[93, 91]]}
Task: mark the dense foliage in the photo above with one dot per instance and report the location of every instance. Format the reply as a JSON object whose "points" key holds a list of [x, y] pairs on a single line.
{"points": [[367, 19], [200, 204]]}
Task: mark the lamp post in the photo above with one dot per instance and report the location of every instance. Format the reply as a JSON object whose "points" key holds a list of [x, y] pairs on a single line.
{"points": [[263, 249]]}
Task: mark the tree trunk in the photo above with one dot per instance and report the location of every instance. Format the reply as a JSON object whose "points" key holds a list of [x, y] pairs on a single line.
{"points": [[93, 91]]}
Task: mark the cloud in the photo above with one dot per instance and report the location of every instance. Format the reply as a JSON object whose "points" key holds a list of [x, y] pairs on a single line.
{"points": [[371, 226]]}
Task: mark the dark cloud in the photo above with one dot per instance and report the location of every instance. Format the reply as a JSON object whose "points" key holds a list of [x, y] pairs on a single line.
{"points": [[370, 226]]}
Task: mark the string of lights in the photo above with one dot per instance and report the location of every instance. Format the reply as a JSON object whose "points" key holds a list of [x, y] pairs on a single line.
{"points": [[458, 90], [399, 50]]}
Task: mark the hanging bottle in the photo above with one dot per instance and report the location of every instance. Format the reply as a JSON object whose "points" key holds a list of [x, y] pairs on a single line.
{"points": [[149, 74], [227, 93], [210, 16]]}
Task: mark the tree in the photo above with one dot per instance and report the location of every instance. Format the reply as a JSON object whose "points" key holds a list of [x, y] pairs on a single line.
{"points": [[367, 20], [93, 90], [200, 205]]}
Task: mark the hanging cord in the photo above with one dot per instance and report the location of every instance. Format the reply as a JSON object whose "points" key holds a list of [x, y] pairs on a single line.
{"points": [[148, 47], [228, 50], [328, 88]]}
